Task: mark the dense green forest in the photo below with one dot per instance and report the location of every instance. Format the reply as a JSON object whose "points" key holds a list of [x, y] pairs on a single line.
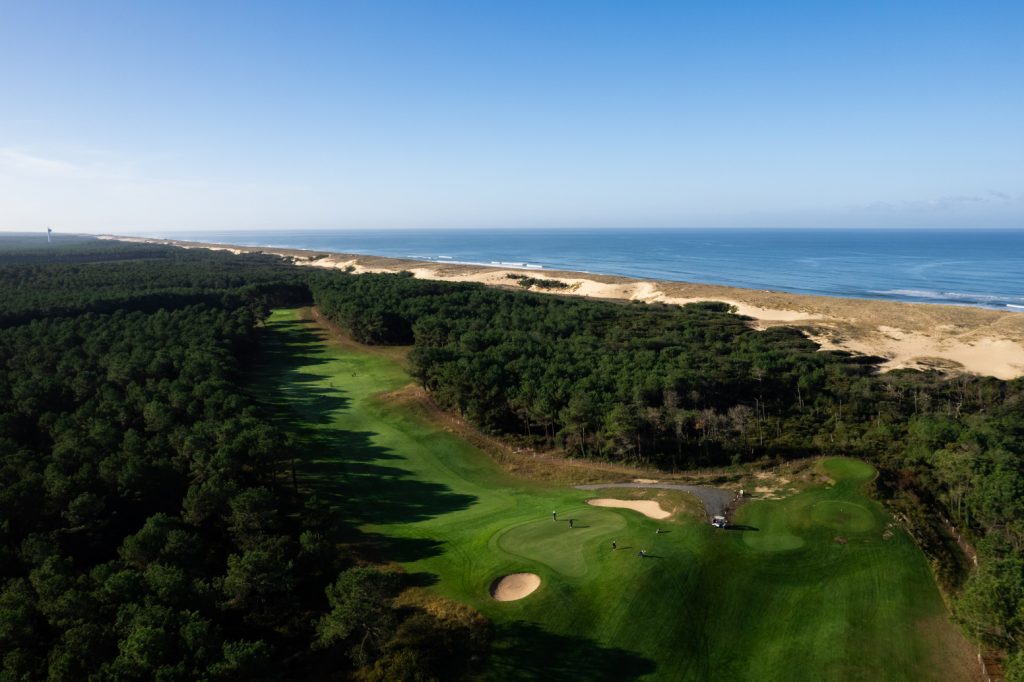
{"points": [[695, 386], [149, 525], [109, 276]]}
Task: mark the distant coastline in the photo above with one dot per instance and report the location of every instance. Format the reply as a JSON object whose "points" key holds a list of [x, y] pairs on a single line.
{"points": [[960, 267], [909, 335]]}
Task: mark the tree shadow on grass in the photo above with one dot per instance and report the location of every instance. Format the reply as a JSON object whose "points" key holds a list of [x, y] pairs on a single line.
{"points": [[420, 579], [524, 651], [285, 360], [361, 482], [386, 548]]}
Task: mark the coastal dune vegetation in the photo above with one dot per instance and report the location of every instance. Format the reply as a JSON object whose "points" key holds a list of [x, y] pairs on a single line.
{"points": [[169, 500]]}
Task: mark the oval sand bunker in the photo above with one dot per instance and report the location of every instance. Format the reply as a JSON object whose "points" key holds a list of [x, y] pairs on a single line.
{"points": [[514, 586], [648, 508]]}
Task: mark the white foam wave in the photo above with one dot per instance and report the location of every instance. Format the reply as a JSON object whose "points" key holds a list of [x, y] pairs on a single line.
{"points": [[941, 295], [523, 266]]}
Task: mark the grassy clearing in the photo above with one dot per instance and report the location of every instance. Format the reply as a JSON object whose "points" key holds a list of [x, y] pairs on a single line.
{"points": [[814, 588]]}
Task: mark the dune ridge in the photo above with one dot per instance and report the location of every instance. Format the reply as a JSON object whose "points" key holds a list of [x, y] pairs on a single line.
{"points": [[954, 339]]}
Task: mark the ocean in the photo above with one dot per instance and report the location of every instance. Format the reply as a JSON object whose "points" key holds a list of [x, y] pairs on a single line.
{"points": [[965, 267]]}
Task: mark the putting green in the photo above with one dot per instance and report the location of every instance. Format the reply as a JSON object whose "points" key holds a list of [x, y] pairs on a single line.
{"points": [[554, 544], [777, 599]]}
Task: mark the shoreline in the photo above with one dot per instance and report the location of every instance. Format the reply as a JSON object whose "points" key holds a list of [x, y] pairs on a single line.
{"points": [[910, 335]]}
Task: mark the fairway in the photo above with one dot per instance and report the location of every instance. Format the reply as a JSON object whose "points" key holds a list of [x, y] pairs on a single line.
{"points": [[818, 586]]}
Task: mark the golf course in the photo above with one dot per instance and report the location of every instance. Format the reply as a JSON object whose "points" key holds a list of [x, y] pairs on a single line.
{"points": [[818, 585]]}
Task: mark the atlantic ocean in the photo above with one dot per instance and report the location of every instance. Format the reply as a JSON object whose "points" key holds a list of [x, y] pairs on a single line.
{"points": [[974, 267]]}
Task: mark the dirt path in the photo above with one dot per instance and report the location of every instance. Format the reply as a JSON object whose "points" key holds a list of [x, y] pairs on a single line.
{"points": [[715, 500]]}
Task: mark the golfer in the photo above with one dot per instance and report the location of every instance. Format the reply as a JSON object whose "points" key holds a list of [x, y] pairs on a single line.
{"points": [[554, 516]]}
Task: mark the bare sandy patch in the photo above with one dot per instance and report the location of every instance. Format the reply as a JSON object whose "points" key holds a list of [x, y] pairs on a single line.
{"points": [[943, 350], [771, 485], [348, 264], [653, 292], [514, 586], [645, 480], [648, 508], [767, 493]]}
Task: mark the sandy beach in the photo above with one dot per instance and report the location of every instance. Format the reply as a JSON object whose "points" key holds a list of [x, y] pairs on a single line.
{"points": [[908, 335]]}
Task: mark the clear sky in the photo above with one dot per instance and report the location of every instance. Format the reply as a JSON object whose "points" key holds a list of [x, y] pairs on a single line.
{"points": [[132, 116]]}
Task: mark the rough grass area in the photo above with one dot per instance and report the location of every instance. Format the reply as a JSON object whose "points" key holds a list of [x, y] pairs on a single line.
{"points": [[778, 598]]}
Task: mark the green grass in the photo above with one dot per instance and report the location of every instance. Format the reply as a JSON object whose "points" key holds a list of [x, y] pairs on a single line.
{"points": [[815, 588]]}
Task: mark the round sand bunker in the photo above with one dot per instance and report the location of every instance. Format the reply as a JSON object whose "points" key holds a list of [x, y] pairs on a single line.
{"points": [[514, 586]]}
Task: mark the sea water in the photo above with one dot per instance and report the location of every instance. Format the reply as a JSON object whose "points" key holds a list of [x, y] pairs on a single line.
{"points": [[965, 267]]}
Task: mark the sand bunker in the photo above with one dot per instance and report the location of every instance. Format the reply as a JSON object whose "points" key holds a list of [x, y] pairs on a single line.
{"points": [[514, 586], [648, 508]]}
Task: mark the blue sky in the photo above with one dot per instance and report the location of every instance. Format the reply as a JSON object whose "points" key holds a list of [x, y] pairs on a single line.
{"points": [[133, 116]]}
